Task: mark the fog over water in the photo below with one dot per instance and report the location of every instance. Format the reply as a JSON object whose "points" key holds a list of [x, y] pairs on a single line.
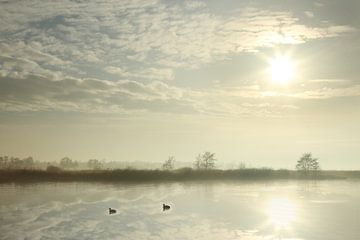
{"points": [[221, 210]]}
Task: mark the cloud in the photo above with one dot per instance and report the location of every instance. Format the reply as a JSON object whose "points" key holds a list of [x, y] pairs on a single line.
{"points": [[328, 92], [329, 80], [34, 93], [194, 4], [147, 73], [37, 94], [309, 14], [61, 56], [115, 71], [152, 34], [318, 4]]}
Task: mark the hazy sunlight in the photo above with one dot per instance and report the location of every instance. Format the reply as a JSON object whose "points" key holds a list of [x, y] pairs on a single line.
{"points": [[282, 70], [282, 212]]}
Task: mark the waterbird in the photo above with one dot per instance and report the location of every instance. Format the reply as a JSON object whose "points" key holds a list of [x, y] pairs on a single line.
{"points": [[165, 207], [112, 211]]}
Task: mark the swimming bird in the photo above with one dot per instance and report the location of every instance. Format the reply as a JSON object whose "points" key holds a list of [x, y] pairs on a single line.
{"points": [[112, 211], [165, 207]]}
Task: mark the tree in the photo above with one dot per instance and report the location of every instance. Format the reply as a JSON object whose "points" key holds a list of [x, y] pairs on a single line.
{"points": [[15, 163], [169, 163], [197, 163], [307, 163], [94, 164], [28, 162], [242, 165], [68, 163], [4, 162], [205, 161]]}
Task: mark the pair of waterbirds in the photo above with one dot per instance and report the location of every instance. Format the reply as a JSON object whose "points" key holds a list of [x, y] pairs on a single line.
{"points": [[165, 208]]}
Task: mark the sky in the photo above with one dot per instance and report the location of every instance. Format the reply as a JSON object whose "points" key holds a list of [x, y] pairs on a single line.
{"points": [[140, 80]]}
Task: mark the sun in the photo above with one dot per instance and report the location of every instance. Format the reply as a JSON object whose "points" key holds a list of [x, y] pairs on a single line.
{"points": [[282, 69]]}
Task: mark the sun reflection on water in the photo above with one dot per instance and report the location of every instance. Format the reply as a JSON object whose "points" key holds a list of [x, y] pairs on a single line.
{"points": [[282, 212]]}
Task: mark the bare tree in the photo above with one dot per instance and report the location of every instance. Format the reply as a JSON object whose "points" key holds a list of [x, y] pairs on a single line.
{"points": [[16, 163], [94, 164], [169, 163], [68, 163], [205, 161], [4, 162], [197, 163], [28, 162], [307, 163], [242, 165]]}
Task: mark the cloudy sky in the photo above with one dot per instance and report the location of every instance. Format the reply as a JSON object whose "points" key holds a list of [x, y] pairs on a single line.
{"points": [[138, 80]]}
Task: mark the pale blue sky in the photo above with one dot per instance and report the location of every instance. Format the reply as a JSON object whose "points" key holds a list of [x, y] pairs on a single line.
{"points": [[141, 80]]}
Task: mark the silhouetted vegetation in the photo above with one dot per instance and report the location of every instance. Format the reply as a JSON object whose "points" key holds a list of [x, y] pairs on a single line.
{"points": [[7, 162], [68, 163], [27, 170], [169, 163], [53, 169], [307, 165], [95, 164], [205, 161], [183, 174]]}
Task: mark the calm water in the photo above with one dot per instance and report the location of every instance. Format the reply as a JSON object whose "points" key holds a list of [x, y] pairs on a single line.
{"points": [[228, 210]]}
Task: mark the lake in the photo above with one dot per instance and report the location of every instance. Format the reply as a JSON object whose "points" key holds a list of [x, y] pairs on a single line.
{"points": [[199, 210]]}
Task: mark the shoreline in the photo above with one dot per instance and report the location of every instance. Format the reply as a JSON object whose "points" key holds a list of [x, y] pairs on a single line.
{"points": [[179, 175]]}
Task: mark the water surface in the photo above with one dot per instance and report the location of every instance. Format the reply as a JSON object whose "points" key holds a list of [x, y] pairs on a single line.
{"points": [[217, 210]]}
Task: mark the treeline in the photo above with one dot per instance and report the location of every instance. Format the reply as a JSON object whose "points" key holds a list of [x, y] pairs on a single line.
{"points": [[202, 168], [180, 175], [66, 163], [7, 162], [202, 161]]}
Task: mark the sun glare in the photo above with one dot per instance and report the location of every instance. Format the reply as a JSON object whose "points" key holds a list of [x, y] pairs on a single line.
{"points": [[282, 70], [281, 212]]}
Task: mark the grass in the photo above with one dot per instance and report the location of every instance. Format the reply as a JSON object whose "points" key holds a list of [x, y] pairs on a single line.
{"points": [[184, 174]]}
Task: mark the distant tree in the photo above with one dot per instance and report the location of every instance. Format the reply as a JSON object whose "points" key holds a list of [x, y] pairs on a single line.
{"points": [[7, 162], [307, 163], [28, 163], [68, 163], [169, 163], [3, 162], [95, 164], [241, 165], [198, 161], [205, 161], [15, 163]]}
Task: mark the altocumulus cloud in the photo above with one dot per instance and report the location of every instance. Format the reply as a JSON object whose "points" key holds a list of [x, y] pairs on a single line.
{"points": [[35, 93], [119, 56], [90, 95]]}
